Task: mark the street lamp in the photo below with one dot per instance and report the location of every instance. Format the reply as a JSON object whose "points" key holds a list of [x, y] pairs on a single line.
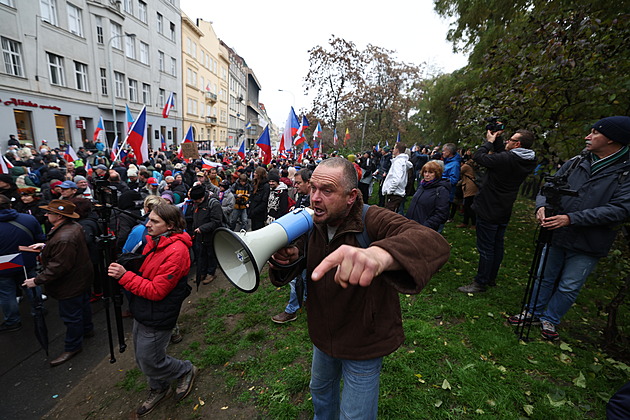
{"points": [[111, 77]]}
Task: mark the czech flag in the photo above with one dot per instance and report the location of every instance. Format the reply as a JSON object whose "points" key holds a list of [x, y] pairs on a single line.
{"points": [[170, 103], [291, 127], [5, 165], [241, 150], [315, 148], [162, 142], [305, 149], [113, 154], [129, 118], [335, 137], [299, 138], [207, 164], [265, 143], [69, 155], [317, 134], [99, 128], [11, 262], [137, 138], [187, 139]]}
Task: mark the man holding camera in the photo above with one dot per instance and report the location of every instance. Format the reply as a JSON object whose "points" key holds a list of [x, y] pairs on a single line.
{"points": [[585, 226], [507, 167]]}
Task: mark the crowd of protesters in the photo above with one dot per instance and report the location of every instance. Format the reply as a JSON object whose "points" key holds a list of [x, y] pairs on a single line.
{"points": [[429, 185]]}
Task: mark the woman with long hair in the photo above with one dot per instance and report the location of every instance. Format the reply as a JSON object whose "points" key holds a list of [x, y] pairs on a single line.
{"points": [[259, 199]]}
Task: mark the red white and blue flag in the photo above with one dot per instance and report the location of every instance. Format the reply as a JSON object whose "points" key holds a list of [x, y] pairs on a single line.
{"points": [[162, 142], [207, 164], [299, 138], [315, 148], [290, 129], [100, 128], [69, 155], [187, 139], [241, 150], [317, 134], [305, 149], [129, 118], [265, 143], [170, 103], [335, 138], [113, 154], [11, 262], [137, 137], [5, 165]]}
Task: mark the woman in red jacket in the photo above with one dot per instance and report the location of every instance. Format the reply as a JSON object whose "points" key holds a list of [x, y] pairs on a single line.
{"points": [[157, 295]]}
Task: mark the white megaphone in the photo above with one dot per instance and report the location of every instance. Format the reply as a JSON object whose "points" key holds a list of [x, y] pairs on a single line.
{"points": [[242, 255]]}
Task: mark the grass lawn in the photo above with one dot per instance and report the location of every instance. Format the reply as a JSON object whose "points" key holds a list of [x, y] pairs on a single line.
{"points": [[460, 358]]}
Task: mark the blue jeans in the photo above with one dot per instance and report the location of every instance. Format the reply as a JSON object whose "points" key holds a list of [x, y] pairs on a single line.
{"points": [[76, 314], [360, 387], [8, 302], [238, 215], [294, 304], [572, 269], [490, 238]]}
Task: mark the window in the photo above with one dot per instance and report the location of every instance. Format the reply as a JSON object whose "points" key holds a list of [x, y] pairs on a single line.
{"points": [[189, 45], [119, 81], [192, 106], [146, 94], [48, 9], [160, 24], [9, 2], [161, 97], [55, 69], [144, 53], [128, 6], [194, 50], [12, 53], [75, 24], [142, 11], [80, 73], [130, 46], [161, 63], [99, 30], [173, 67], [103, 81], [116, 34], [191, 78], [172, 32], [133, 90]]}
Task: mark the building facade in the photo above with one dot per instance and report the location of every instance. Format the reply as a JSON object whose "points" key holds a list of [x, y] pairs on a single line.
{"points": [[67, 63]]}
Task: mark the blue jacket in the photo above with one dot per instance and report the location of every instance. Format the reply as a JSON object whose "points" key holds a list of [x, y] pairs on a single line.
{"points": [[13, 236], [452, 167], [603, 202], [429, 205]]}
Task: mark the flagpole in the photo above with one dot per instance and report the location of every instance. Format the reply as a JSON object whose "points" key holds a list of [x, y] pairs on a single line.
{"points": [[120, 148]]}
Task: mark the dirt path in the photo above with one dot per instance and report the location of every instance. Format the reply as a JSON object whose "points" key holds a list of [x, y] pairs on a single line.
{"points": [[98, 397]]}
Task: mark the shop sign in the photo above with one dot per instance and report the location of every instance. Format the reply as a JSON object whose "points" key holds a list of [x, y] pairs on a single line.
{"points": [[21, 102]]}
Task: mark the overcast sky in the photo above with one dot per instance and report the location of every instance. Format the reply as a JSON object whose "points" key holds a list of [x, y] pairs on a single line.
{"points": [[274, 36]]}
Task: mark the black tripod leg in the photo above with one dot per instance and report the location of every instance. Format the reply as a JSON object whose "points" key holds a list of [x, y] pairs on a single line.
{"points": [[118, 298]]}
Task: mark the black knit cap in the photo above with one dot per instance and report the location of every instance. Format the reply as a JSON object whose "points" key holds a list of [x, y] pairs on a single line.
{"points": [[197, 192], [616, 129]]}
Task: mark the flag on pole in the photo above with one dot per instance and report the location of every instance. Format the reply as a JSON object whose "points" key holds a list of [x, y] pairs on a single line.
{"points": [[241, 150], [213, 149], [162, 142], [207, 164], [347, 137], [208, 87], [248, 126], [265, 144], [335, 137], [5, 165], [299, 137], [69, 155], [305, 149], [317, 134], [378, 146], [129, 117], [290, 128], [398, 138], [170, 103], [113, 154], [137, 138], [386, 143], [187, 139], [10, 262], [100, 127], [315, 148]]}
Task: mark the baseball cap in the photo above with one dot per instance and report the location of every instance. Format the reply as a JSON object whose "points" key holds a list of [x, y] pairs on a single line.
{"points": [[68, 184], [152, 181]]}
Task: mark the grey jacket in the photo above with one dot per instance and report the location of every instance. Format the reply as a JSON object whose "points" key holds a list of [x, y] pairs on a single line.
{"points": [[602, 204]]}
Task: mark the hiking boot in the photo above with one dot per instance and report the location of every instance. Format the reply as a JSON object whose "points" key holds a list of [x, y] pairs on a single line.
{"points": [[155, 397], [548, 331], [209, 279], [185, 384], [473, 287], [284, 317], [176, 338], [10, 328], [524, 318]]}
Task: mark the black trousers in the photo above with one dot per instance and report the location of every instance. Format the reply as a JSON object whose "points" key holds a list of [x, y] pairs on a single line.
{"points": [[206, 258]]}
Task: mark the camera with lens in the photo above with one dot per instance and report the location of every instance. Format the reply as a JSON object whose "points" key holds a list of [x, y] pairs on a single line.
{"points": [[495, 124]]}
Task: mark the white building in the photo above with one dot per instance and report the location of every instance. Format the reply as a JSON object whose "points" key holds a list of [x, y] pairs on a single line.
{"points": [[56, 78]]}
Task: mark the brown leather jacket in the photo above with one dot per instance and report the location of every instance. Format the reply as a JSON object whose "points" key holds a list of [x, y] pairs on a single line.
{"points": [[67, 270], [362, 323]]}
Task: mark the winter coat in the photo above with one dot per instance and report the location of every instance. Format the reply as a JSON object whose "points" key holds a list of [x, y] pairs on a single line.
{"points": [[506, 172], [361, 323], [258, 202], [451, 173], [207, 216], [67, 269], [14, 236], [241, 193], [469, 188], [429, 205], [162, 286], [396, 179], [602, 204], [227, 203]]}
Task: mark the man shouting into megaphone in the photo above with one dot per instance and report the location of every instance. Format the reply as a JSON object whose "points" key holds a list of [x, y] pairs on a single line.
{"points": [[354, 316]]}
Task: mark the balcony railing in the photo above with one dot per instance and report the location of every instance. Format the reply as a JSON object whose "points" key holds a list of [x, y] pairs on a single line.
{"points": [[212, 97], [211, 120]]}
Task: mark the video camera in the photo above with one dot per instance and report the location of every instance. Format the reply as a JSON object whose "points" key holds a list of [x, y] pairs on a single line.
{"points": [[495, 124]]}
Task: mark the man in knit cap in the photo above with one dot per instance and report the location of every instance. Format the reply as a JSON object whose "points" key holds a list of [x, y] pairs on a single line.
{"points": [[585, 226]]}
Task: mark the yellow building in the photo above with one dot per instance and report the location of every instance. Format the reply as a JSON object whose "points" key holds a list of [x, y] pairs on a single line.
{"points": [[205, 83]]}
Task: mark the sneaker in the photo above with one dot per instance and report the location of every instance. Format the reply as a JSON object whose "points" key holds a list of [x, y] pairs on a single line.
{"points": [[185, 384], [284, 317], [10, 328], [209, 279], [473, 287], [548, 331], [524, 318], [176, 338], [155, 397]]}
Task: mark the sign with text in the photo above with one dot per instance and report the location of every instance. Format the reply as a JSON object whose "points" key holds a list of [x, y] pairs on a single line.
{"points": [[189, 150]]}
